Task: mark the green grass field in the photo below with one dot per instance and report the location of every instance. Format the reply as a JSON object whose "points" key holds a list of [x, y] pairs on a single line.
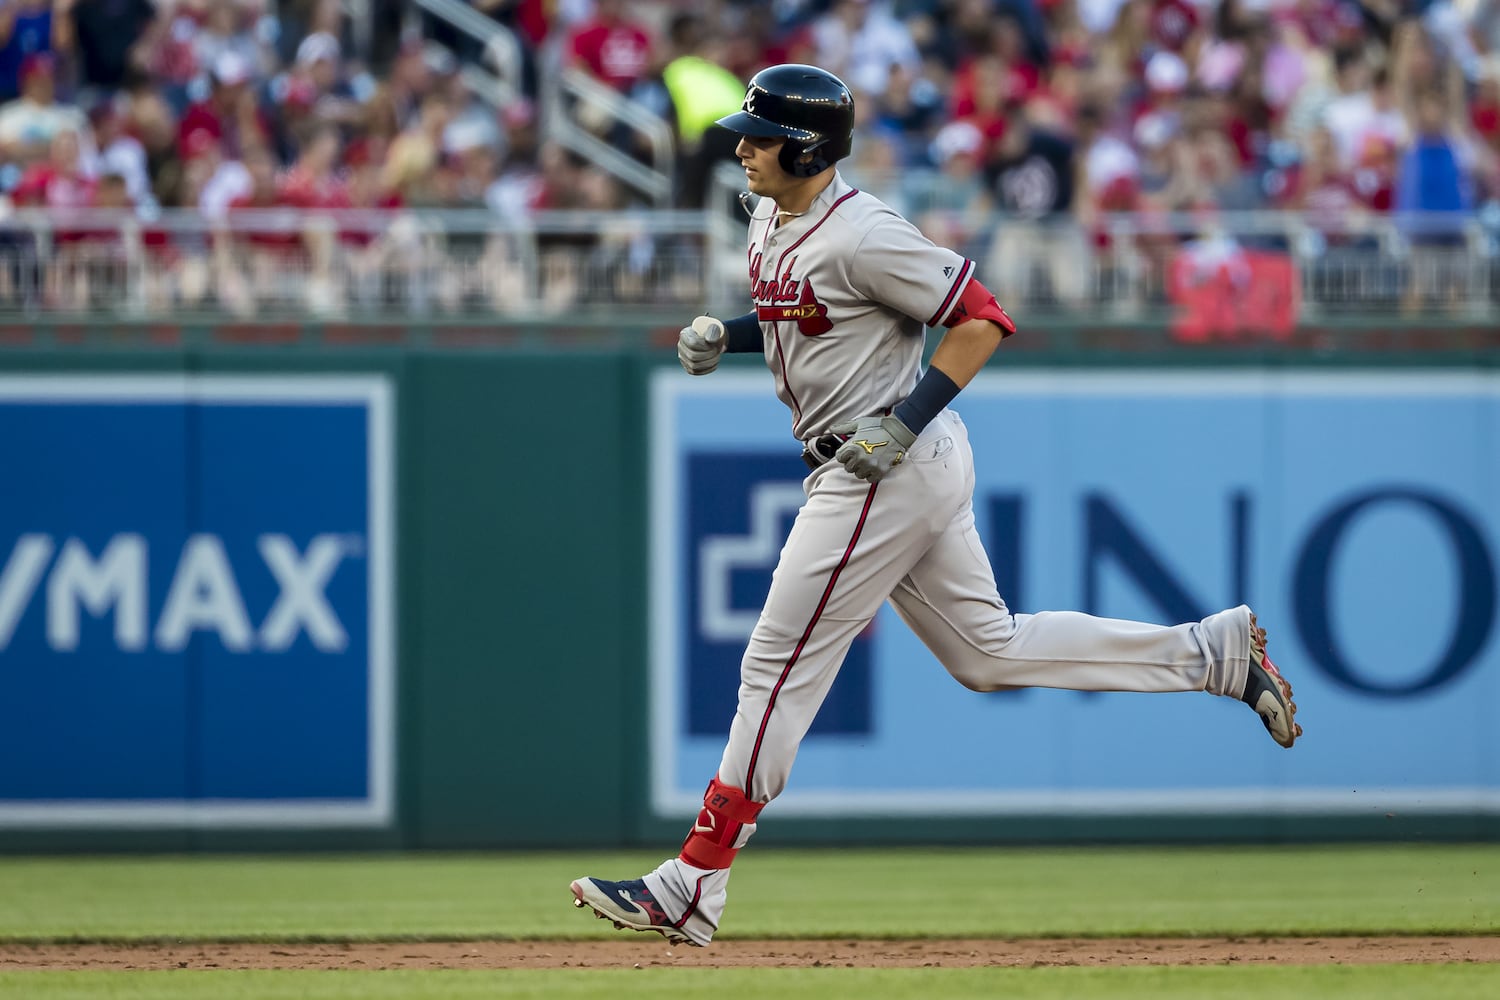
{"points": [[1009, 893]]}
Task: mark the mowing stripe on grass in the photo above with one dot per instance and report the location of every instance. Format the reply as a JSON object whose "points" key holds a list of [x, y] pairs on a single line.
{"points": [[775, 893]]}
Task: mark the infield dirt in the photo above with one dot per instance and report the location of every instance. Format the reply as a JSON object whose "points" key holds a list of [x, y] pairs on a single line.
{"points": [[633, 951]]}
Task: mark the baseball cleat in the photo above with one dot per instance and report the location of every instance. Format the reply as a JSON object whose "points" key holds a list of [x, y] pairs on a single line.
{"points": [[629, 905], [1268, 692]]}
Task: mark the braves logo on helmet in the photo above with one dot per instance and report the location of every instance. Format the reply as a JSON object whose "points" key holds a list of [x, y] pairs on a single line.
{"points": [[809, 108]]}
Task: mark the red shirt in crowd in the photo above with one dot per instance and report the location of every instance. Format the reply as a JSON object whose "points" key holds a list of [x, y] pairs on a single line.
{"points": [[617, 53], [44, 186], [205, 116], [303, 190], [1173, 23]]}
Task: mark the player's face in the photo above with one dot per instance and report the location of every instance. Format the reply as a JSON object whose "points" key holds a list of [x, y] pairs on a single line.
{"points": [[763, 173]]}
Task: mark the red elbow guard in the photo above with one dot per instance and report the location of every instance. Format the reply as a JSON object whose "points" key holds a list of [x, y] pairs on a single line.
{"points": [[977, 302]]}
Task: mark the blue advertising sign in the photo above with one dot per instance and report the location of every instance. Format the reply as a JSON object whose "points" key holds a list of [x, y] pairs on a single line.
{"points": [[196, 601], [1357, 513]]}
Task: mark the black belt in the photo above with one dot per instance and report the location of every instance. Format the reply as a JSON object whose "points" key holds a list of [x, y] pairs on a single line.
{"points": [[819, 451]]}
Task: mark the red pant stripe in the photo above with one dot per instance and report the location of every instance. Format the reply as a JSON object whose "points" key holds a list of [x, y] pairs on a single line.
{"points": [[806, 634]]}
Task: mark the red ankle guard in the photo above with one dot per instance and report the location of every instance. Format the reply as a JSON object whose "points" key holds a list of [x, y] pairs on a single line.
{"points": [[713, 841]]}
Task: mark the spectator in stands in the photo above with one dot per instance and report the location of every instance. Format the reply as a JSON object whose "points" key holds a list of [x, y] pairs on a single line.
{"points": [[1008, 43], [1432, 178], [228, 26], [314, 181], [230, 113], [1484, 117], [149, 118], [859, 41], [112, 193], [611, 47], [698, 92], [981, 95], [311, 93], [91, 258], [263, 192], [1322, 189], [519, 190], [1031, 170], [201, 159], [1166, 78], [1031, 175], [1374, 175], [472, 120], [365, 188], [297, 19], [120, 153], [1229, 187], [29, 123], [320, 65], [1434, 186], [909, 111], [956, 198], [415, 154], [752, 40], [315, 185], [62, 180], [397, 100], [251, 262], [1365, 106], [229, 182], [29, 28], [108, 33]]}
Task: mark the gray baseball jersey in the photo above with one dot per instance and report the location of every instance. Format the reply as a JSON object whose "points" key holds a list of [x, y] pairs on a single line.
{"points": [[843, 293]]}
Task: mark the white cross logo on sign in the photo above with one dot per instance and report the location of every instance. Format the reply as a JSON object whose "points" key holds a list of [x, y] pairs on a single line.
{"points": [[720, 555]]}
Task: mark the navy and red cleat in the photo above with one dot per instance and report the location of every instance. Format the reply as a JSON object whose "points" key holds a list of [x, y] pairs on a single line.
{"points": [[1268, 692], [628, 904]]}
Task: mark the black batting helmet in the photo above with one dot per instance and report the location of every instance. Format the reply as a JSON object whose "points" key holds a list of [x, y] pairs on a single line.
{"points": [[809, 107]]}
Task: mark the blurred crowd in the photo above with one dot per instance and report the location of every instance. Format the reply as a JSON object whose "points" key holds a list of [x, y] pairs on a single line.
{"points": [[1047, 110]]}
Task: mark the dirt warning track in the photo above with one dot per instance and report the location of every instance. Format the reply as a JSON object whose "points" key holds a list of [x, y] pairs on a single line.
{"points": [[730, 953]]}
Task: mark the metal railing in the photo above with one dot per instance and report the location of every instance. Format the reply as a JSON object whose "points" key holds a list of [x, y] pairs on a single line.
{"points": [[1203, 275], [497, 77], [294, 264], [570, 96], [1261, 269], [582, 115]]}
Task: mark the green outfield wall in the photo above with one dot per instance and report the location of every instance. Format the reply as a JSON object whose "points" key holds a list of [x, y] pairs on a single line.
{"points": [[522, 603]]}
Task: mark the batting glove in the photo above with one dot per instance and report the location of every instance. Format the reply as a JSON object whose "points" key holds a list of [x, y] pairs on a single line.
{"points": [[699, 345], [876, 445]]}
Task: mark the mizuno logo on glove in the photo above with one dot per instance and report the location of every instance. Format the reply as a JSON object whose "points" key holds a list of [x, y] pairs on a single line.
{"points": [[865, 455]]}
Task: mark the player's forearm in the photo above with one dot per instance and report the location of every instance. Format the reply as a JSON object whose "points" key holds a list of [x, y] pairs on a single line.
{"points": [[962, 352], [965, 349]]}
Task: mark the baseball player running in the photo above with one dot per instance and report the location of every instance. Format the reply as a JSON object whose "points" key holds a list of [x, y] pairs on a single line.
{"points": [[843, 287]]}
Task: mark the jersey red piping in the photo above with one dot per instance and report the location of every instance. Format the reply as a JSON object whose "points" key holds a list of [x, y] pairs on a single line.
{"points": [[781, 356], [786, 671], [963, 276], [692, 906], [776, 328]]}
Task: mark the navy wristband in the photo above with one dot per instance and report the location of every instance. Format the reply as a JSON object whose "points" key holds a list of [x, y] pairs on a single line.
{"points": [[742, 335], [934, 392]]}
